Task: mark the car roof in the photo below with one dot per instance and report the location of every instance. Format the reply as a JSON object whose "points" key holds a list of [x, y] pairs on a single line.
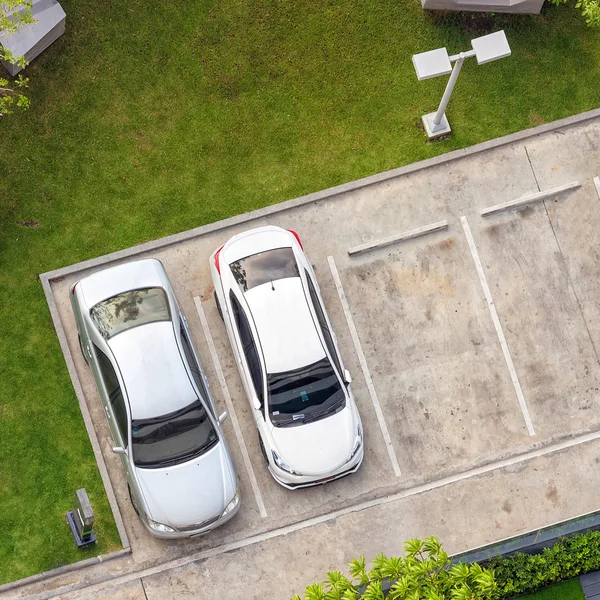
{"points": [[110, 282], [286, 329], [152, 370]]}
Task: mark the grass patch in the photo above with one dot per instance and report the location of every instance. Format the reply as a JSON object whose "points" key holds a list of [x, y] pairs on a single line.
{"points": [[147, 120], [570, 590]]}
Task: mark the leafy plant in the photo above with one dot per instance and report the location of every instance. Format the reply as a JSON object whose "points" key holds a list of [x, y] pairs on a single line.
{"points": [[589, 8], [521, 573], [14, 15], [425, 573]]}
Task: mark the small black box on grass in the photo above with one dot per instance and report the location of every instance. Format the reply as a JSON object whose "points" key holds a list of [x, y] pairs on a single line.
{"points": [[81, 520]]}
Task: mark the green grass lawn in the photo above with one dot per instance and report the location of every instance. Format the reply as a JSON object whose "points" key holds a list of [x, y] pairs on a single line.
{"points": [[152, 118], [570, 590]]}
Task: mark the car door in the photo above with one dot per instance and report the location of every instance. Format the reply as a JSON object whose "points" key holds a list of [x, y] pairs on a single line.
{"points": [[82, 335], [194, 365], [328, 335], [114, 402], [251, 371]]}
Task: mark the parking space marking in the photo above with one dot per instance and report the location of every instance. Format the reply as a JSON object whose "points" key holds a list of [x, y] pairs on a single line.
{"points": [[597, 184], [399, 237], [528, 199], [229, 404], [363, 365], [497, 325]]}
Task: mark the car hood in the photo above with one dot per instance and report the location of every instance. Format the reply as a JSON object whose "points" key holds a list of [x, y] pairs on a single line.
{"points": [[317, 448], [189, 493]]}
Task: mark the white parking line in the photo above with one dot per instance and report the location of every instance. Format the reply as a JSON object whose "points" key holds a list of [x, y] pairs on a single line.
{"points": [[597, 184], [363, 365], [229, 404], [497, 325]]}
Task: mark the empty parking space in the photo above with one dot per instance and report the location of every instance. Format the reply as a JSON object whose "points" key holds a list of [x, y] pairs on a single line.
{"points": [[575, 224], [438, 368], [545, 329]]}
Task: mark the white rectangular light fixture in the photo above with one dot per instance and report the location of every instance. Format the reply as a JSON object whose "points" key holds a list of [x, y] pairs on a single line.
{"points": [[432, 64], [437, 62], [491, 47]]}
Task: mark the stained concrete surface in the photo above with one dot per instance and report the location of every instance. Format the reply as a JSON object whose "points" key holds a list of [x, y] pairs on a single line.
{"points": [[435, 360]]}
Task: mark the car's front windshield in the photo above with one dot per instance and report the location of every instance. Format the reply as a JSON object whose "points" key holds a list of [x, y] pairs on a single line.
{"points": [[304, 395], [172, 438]]}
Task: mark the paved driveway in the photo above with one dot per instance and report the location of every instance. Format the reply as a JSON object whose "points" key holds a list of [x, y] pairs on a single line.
{"points": [[470, 349]]}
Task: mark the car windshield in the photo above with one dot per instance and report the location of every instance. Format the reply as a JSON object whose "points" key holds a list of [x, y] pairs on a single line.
{"points": [[173, 438], [130, 309], [304, 395], [252, 271]]}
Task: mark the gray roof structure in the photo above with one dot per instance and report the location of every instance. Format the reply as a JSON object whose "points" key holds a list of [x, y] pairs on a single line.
{"points": [[504, 6], [33, 39]]}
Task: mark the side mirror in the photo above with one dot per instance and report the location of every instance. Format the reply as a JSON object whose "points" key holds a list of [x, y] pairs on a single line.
{"points": [[119, 450], [347, 377], [223, 416]]}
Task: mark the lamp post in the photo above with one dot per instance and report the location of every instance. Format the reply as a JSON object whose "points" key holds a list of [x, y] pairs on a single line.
{"points": [[437, 62]]}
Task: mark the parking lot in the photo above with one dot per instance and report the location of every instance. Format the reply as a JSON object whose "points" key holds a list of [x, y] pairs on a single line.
{"points": [[466, 346]]}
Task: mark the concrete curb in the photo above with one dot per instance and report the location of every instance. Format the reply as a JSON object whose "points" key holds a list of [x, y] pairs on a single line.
{"points": [[87, 419], [532, 541], [535, 547], [323, 194], [82, 564]]}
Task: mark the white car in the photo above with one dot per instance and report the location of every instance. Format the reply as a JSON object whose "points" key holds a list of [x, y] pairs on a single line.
{"points": [[267, 293], [163, 422]]}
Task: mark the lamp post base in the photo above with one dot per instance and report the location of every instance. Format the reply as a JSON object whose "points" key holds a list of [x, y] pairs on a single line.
{"points": [[80, 541], [433, 130]]}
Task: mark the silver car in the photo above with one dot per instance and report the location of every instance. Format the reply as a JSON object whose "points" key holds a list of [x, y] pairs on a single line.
{"points": [[163, 421]]}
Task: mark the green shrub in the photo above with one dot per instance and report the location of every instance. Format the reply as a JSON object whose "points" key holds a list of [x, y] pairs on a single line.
{"points": [[427, 573], [424, 573], [569, 557]]}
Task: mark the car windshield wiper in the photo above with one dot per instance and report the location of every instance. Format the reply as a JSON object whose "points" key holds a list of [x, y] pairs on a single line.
{"points": [[296, 419], [331, 409]]}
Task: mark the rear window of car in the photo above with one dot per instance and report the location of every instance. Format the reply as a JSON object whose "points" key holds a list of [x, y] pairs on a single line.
{"points": [[252, 271], [130, 309]]}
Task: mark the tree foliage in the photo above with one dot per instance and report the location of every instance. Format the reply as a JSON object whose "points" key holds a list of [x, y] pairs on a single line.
{"points": [[589, 8], [14, 15], [425, 573]]}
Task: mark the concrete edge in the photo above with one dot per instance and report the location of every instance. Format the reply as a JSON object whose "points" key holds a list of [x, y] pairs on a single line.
{"points": [[87, 419], [324, 194], [469, 558], [399, 237], [528, 199], [536, 531], [82, 564]]}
